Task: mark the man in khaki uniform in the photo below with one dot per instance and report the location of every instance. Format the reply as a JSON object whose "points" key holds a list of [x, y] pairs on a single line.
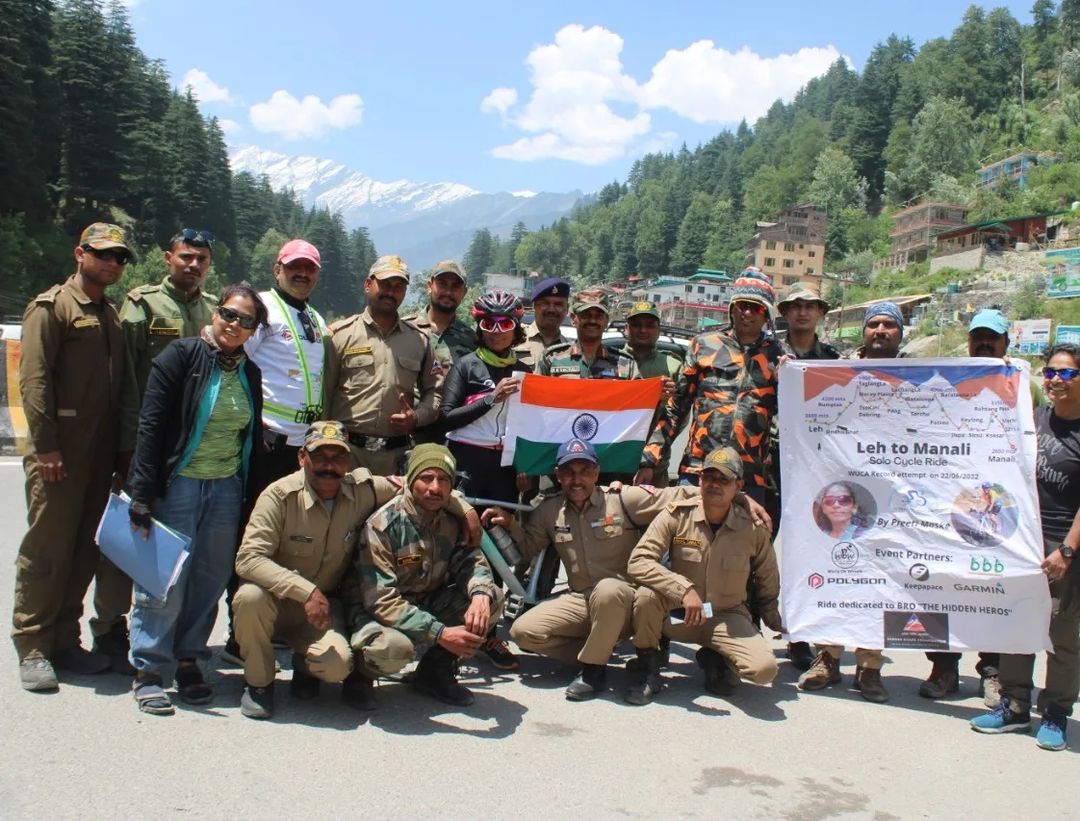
{"points": [[714, 549], [550, 300], [376, 367], [594, 529], [78, 391], [151, 317]]}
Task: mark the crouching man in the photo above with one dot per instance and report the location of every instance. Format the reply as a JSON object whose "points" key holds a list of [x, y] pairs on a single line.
{"points": [[413, 582], [714, 550]]}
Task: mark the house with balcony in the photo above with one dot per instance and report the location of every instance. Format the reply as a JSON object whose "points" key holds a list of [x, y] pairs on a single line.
{"points": [[915, 229], [791, 250], [1015, 167]]}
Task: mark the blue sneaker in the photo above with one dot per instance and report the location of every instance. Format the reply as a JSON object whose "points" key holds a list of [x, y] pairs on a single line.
{"points": [[1051, 735], [1002, 720]]}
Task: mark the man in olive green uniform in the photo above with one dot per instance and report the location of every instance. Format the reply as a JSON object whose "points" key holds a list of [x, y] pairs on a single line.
{"points": [[588, 357], [78, 391], [594, 529], [642, 334], [415, 584], [714, 549], [376, 368], [549, 304], [151, 317]]}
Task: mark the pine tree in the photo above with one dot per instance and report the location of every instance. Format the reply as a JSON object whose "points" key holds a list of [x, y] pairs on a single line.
{"points": [[693, 236]]}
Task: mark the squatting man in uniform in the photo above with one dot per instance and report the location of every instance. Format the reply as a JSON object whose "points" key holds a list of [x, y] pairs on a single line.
{"points": [[714, 550], [413, 583], [298, 544]]}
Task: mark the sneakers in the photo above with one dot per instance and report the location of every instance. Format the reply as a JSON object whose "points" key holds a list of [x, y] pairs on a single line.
{"points": [[257, 702], [991, 690], [498, 654], [1051, 735], [944, 678], [1002, 720], [868, 682], [80, 661], [303, 686], [116, 646], [37, 674], [824, 672], [800, 655], [590, 682]]}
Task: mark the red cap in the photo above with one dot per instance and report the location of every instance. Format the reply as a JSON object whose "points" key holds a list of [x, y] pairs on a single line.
{"points": [[296, 249]]}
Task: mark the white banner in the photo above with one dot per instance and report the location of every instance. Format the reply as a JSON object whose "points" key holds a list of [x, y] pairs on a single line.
{"points": [[910, 518]]}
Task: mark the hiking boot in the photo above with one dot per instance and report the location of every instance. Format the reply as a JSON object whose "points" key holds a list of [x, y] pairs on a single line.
{"points": [[990, 687], [823, 672], [720, 678], [800, 655], [868, 682], [303, 686], [634, 665], [257, 702], [590, 682], [37, 674], [116, 646], [435, 677], [498, 654], [1051, 735], [358, 691], [80, 661], [648, 660], [1002, 719], [944, 678]]}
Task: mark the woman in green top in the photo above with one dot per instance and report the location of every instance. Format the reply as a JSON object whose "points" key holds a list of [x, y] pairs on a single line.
{"points": [[200, 420]]}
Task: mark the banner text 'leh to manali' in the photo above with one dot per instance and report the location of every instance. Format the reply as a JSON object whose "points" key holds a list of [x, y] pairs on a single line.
{"points": [[910, 519], [614, 415]]}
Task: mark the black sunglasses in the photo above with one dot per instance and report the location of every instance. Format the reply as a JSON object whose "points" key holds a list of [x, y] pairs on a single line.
{"points": [[248, 323], [117, 255], [195, 237]]}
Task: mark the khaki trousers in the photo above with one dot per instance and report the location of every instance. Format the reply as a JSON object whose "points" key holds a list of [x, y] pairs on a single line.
{"points": [[259, 617], [57, 557], [734, 636], [585, 627], [870, 659], [112, 597]]}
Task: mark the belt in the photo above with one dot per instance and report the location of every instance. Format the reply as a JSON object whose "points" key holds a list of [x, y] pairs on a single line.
{"points": [[377, 443]]}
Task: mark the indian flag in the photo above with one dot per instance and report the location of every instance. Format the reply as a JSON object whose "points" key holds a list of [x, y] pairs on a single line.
{"points": [[614, 415]]}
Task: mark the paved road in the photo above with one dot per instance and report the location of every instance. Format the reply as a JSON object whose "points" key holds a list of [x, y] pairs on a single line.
{"points": [[86, 752]]}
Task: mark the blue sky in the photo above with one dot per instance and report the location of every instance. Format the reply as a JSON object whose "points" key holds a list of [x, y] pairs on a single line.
{"points": [[546, 96]]}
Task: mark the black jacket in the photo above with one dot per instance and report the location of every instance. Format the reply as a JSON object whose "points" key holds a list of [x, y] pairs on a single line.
{"points": [[469, 376], [179, 378]]}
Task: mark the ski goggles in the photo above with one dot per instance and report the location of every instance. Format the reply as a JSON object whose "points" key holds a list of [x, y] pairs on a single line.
{"points": [[497, 324]]}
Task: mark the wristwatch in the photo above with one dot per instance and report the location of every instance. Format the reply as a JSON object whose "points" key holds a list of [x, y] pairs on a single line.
{"points": [[1066, 551]]}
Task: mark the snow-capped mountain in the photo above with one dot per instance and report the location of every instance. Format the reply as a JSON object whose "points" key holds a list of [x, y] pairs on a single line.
{"points": [[423, 222]]}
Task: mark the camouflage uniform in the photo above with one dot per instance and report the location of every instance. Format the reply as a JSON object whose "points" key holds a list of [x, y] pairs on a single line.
{"points": [[458, 339], [730, 389], [819, 350], [658, 363], [409, 580], [567, 360]]}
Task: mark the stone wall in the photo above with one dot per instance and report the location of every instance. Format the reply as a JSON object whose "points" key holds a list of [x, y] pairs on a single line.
{"points": [[967, 260]]}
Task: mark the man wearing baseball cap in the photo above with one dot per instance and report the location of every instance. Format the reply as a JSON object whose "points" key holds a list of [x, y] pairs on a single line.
{"points": [[588, 357], [382, 376], [550, 299], [450, 337], [700, 535]]}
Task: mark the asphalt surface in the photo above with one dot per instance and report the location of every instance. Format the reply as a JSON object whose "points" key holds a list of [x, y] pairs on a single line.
{"points": [[522, 749]]}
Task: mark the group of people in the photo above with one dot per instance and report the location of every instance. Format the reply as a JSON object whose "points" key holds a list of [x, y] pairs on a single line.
{"points": [[277, 443]]}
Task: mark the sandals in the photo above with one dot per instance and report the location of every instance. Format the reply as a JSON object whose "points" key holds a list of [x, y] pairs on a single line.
{"points": [[151, 696], [191, 686]]}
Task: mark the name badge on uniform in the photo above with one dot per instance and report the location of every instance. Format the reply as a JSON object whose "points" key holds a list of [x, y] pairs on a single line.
{"points": [[299, 537], [686, 541], [358, 349], [86, 322], [160, 326], [410, 559], [563, 534], [564, 371]]}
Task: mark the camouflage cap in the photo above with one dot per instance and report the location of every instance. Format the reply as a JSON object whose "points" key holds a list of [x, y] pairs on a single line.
{"points": [[806, 295], [388, 267], [643, 309], [590, 298], [725, 460], [325, 433], [102, 235], [448, 266]]}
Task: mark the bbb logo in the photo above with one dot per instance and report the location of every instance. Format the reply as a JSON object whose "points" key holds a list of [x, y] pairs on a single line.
{"points": [[986, 566], [845, 555], [815, 581]]}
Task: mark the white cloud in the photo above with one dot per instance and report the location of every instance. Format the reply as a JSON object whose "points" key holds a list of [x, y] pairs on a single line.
{"points": [[294, 119], [229, 126], [205, 89], [579, 80], [708, 84]]}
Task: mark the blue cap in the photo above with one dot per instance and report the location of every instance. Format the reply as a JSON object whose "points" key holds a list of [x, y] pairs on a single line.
{"points": [[990, 318], [575, 449], [551, 287]]}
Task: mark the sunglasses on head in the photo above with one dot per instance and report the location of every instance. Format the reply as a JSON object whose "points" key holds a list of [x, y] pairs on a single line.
{"points": [[497, 324], [1064, 374], [117, 255], [248, 323], [750, 307], [195, 236], [837, 501]]}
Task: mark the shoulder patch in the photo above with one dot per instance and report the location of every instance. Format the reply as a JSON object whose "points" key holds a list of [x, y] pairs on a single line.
{"points": [[558, 347], [48, 296], [343, 323]]}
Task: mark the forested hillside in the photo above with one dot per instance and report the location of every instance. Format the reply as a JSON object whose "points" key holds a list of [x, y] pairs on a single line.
{"points": [[91, 128], [916, 122]]}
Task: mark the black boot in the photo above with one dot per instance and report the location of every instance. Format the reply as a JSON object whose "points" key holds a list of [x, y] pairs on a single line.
{"points": [[649, 661], [435, 676], [720, 679], [590, 682], [800, 654], [303, 686], [358, 691], [634, 664], [116, 646]]}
